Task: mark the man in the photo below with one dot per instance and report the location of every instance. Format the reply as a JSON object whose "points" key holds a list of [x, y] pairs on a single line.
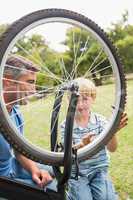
{"points": [[18, 83]]}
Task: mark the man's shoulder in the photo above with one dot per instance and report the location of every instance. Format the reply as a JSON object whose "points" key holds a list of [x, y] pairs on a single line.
{"points": [[15, 108]]}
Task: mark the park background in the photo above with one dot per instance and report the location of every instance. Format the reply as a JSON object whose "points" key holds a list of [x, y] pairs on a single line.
{"points": [[116, 17]]}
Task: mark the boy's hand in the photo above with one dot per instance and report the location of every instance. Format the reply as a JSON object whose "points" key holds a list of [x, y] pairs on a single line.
{"points": [[85, 140], [123, 121]]}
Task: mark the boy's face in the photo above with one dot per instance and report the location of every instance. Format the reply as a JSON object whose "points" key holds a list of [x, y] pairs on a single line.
{"points": [[84, 103]]}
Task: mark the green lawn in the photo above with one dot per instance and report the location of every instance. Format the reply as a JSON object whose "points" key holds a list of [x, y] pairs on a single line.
{"points": [[121, 169]]}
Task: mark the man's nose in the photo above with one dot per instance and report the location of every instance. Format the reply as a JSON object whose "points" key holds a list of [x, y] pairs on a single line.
{"points": [[32, 89]]}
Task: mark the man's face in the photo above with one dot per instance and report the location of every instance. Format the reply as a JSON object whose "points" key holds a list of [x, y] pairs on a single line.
{"points": [[26, 87], [18, 91]]}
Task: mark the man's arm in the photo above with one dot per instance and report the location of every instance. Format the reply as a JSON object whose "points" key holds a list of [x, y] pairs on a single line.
{"points": [[40, 177]]}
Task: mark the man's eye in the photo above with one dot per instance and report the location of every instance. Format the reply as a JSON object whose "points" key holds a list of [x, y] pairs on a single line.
{"points": [[31, 81]]}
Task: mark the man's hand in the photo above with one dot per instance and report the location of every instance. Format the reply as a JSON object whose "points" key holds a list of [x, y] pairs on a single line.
{"points": [[41, 177]]}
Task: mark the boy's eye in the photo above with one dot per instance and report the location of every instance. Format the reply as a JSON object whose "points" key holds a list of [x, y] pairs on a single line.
{"points": [[85, 99]]}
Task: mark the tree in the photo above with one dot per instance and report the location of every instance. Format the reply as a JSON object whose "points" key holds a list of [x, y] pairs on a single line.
{"points": [[122, 35], [118, 30], [82, 51], [35, 48], [126, 51], [3, 28]]}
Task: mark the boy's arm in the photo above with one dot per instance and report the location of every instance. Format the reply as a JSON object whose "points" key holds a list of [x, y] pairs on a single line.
{"points": [[112, 144]]}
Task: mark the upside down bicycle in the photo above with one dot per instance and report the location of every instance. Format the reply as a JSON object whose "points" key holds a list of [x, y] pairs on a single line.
{"points": [[85, 51]]}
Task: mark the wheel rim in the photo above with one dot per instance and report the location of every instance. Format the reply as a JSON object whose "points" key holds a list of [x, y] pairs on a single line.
{"points": [[56, 157]]}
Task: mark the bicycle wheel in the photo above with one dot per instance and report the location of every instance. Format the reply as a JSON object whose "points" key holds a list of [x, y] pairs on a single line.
{"points": [[66, 45]]}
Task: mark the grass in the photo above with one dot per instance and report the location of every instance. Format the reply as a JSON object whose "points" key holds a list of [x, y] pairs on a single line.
{"points": [[121, 168]]}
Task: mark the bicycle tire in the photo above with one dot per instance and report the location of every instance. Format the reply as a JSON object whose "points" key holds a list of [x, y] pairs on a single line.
{"points": [[21, 145]]}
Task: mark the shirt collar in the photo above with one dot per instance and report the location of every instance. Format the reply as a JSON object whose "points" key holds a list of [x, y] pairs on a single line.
{"points": [[91, 121]]}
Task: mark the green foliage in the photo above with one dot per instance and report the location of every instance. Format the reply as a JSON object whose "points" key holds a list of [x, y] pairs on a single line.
{"points": [[3, 28], [118, 30], [122, 35], [36, 49], [126, 51], [81, 51]]}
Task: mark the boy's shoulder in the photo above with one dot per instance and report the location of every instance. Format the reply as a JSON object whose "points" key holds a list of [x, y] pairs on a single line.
{"points": [[96, 118]]}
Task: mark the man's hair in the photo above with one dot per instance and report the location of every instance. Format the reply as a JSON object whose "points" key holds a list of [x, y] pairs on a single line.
{"points": [[17, 66], [86, 87]]}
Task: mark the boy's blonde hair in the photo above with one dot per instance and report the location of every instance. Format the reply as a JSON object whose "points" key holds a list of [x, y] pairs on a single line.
{"points": [[86, 87]]}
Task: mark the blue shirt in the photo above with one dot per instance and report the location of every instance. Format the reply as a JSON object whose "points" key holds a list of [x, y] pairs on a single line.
{"points": [[6, 153], [95, 126]]}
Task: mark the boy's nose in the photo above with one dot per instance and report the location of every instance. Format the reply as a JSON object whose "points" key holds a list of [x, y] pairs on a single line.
{"points": [[80, 104]]}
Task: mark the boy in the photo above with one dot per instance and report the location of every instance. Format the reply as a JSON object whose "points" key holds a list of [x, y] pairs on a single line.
{"points": [[93, 182]]}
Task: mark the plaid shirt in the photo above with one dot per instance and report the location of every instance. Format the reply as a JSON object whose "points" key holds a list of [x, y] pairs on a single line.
{"points": [[101, 159]]}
